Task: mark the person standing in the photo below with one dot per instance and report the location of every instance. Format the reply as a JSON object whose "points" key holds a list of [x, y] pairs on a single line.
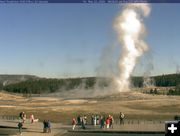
{"points": [[121, 117], [83, 123], [73, 123], [31, 118], [49, 126], [45, 126], [107, 122], [85, 119], [23, 116], [78, 120], [20, 125], [92, 120], [112, 122], [102, 122], [95, 120]]}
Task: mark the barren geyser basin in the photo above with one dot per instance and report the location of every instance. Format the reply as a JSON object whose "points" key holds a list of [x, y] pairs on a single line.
{"points": [[134, 104]]}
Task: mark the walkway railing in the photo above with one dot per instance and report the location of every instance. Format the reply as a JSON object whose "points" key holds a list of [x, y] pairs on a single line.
{"points": [[8, 117]]}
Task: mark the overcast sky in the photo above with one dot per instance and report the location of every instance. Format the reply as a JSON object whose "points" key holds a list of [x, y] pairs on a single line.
{"points": [[58, 40]]}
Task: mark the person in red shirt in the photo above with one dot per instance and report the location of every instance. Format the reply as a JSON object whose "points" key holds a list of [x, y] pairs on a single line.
{"points": [[107, 123], [110, 121], [73, 123]]}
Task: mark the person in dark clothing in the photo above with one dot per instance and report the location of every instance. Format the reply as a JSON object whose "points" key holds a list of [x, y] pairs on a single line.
{"points": [[92, 120], [45, 128], [102, 120], [20, 125], [78, 120], [21, 115]]}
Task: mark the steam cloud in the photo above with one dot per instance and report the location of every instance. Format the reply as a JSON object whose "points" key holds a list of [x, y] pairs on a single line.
{"points": [[131, 31]]}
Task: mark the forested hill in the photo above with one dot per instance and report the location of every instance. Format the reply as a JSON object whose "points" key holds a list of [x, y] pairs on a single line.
{"points": [[6, 80], [161, 80], [10, 79], [33, 84], [45, 85]]}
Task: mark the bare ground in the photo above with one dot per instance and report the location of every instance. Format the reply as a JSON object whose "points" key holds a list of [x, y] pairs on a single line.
{"points": [[59, 108]]}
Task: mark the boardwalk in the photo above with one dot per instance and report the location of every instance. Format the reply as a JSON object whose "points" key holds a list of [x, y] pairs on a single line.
{"points": [[35, 129], [107, 134], [58, 129]]}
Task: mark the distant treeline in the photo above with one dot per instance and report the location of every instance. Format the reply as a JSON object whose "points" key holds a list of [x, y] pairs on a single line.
{"points": [[52, 85], [175, 91], [43, 85], [160, 81]]}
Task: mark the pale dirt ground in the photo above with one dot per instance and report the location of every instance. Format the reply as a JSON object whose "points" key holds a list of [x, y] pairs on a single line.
{"points": [[133, 104]]}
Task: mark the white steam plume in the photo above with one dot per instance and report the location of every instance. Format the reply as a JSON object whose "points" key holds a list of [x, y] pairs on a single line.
{"points": [[131, 30]]}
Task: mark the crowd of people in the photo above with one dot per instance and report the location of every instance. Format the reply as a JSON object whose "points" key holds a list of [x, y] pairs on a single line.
{"points": [[82, 121], [102, 121], [23, 118], [47, 126]]}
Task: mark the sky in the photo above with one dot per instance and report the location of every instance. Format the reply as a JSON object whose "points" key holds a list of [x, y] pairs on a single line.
{"points": [[68, 40]]}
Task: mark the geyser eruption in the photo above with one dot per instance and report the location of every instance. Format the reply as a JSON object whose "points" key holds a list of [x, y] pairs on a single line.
{"points": [[130, 30]]}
